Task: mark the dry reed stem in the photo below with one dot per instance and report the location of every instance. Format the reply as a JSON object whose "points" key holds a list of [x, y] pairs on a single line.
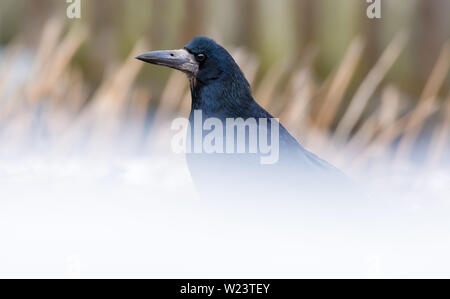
{"points": [[108, 102], [64, 108], [49, 42], [134, 126], [333, 94], [139, 105], [309, 56], [174, 91], [6, 68], [382, 143], [50, 72], [440, 138], [339, 84], [8, 104], [295, 111], [265, 93], [300, 83], [112, 103], [368, 87], [429, 95], [378, 121]]}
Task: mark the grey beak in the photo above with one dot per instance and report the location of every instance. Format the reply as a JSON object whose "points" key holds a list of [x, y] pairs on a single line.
{"points": [[180, 60]]}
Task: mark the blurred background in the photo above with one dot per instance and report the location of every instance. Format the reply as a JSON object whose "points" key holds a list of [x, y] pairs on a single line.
{"points": [[355, 90]]}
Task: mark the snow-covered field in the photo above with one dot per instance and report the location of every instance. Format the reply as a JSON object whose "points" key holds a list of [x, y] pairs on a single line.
{"points": [[140, 217]]}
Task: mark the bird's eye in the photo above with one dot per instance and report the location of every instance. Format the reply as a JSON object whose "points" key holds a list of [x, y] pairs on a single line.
{"points": [[200, 57]]}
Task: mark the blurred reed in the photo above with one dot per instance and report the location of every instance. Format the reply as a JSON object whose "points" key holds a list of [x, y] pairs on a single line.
{"points": [[48, 106]]}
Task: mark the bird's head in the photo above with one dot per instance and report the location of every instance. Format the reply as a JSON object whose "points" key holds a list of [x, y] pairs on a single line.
{"points": [[201, 59]]}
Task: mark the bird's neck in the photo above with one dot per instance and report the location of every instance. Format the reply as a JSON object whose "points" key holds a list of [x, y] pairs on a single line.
{"points": [[221, 98]]}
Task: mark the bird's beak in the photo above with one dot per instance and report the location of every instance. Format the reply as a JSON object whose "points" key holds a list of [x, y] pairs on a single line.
{"points": [[177, 59]]}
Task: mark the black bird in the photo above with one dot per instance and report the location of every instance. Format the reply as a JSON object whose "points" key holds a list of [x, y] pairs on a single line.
{"points": [[220, 90]]}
